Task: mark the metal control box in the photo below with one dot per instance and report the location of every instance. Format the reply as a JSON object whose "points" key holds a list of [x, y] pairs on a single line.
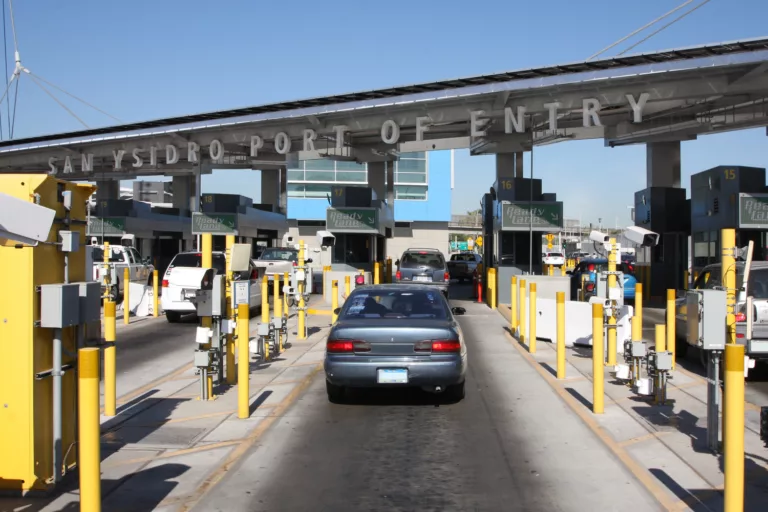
{"points": [[706, 311], [638, 349], [59, 305], [602, 288], [70, 241], [212, 302], [241, 293], [90, 302], [663, 360]]}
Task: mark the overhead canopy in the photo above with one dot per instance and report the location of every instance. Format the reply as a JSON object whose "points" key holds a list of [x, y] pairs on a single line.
{"points": [[669, 95]]}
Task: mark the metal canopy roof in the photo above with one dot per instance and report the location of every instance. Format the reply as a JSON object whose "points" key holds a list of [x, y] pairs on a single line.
{"points": [[681, 54]]}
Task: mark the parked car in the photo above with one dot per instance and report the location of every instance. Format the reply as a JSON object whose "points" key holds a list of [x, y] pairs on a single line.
{"points": [[425, 266], [592, 268], [710, 278], [120, 258], [175, 306], [396, 336], [462, 265], [554, 258]]}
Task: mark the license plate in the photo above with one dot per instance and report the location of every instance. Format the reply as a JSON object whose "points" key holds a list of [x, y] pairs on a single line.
{"points": [[422, 278], [392, 376]]}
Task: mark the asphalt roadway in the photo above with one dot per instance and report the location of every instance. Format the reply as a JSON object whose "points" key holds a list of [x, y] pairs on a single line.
{"points": [[511, 444]]}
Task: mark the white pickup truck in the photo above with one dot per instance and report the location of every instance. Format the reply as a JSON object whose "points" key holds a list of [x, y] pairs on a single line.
{"points": [[120, 258]]}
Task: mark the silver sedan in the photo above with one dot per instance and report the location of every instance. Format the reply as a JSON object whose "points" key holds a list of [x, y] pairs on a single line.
{"points": [[396, 336]]}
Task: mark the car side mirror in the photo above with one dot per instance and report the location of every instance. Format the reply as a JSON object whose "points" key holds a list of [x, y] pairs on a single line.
{"points": [[397, 262], [458, 311], [336, 311]]}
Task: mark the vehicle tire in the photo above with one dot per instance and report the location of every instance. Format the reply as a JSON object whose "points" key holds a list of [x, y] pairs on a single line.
{"points": [[116, 296], [681, 348], [335, 393], [173, 317], [455, 393]]}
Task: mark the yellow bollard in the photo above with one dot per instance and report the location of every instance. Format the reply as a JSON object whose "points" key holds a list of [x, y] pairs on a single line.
{"points": [[582, 290], [521, 317], [206, 241], [110, 386], [488, 285], [265, 310], [388, 276], [126, 296], [302, 334], [733, 428], [532, 322], [334, 300], [229, 346], [686, 279], [671, 334], [513, 305], [560, 335], [562, 271], [155, 295], [494, 288], [347, 287], [376, 276], [89, 429], [637, 319], [728, 271], [612, 257], [243, 361], [661, 338], [598, 365], [287, 281], [278, 314]]}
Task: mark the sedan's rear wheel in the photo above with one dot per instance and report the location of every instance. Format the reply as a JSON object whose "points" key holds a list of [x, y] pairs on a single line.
{"points": [[455, 393], [335, 393]]}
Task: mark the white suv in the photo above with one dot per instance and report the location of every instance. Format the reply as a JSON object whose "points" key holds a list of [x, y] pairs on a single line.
{"points": [[174, 305]]}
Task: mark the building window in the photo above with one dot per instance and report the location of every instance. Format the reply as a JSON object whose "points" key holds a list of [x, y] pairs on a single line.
{"points": [[309, 190], [410, 193], [328, 171]]}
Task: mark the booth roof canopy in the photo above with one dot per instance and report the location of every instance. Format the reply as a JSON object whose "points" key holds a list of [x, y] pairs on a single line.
{"points": [[681, 54]]}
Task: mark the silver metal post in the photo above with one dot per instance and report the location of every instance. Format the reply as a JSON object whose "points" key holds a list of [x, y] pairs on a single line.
{"points": [[713, 401], [57, 417], [204, 384]]}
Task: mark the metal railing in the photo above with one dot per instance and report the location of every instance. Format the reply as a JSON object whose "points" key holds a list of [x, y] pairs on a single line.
{"points": [[466, 221]]}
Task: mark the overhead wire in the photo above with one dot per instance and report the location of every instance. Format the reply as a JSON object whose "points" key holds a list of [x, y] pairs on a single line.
{"points": [[639, 30], [664, 27], [62, 105], [73, 96], [15, 102]]}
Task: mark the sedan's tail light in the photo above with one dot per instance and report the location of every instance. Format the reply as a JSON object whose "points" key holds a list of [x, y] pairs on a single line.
{"points": [[447, 276], [254, 274], [590, 287], [295, 264], [346, 346], [359, 280], [398, 275], [440, 346], [741, 317], [165, 283]]}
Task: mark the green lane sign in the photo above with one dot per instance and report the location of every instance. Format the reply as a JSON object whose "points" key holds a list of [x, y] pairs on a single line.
{"points": [[547, 216], [753, 211], [106, 226], [214, 223], [352, 220]]}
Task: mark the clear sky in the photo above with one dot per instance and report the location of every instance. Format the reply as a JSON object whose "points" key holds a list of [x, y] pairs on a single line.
{"points": [[145, 59]]}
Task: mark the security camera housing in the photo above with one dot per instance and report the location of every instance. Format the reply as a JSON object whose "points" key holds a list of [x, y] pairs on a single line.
{"points": [[24, 222], [641, 236], [326, 239], [599, 237]]}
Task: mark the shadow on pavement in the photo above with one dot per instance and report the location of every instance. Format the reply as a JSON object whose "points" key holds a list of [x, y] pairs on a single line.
{"points": [[581, 398], [395, 397], [259, 400]]}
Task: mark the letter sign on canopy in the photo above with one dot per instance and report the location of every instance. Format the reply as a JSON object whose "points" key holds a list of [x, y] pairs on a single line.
{"points": [[753, 211]]}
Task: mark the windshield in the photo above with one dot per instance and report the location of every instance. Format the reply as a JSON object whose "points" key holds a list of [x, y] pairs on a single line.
{"points": [[194, 260], [395, 304], [422, 259], [275, 254], [463, 257]]}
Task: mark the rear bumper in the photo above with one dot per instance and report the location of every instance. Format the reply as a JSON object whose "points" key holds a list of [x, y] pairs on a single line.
{"points": [[180, 306], [442, 286], [345, 371]]}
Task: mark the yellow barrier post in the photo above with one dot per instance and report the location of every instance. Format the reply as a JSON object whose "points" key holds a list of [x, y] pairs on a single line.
{"points": [[637, 319], [278, 312], [598, 365], [89, 429], [488, 285], [334, 300], [562, 271], [532, 322], [686, 279], [521, 318], [671, 334], [265, 310], [513, 305], [126, 296], [155, 294], [302, 334], [243, 361], [612, 257], [206, 241], [347, 286], [388, 277], [287, 281], [560, 335], [733, 431], [728, 271], [110, 370], [376, 276], [495, 287], [582, 290], [661, 338], [231, 373]]}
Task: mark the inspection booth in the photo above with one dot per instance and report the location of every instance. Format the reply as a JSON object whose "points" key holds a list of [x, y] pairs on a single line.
{"points": [[728, 197], [157, 232], [259, 225], [521, 215]]}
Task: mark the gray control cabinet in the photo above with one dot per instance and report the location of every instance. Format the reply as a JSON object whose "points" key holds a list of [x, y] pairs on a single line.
{"points": [[212, 302], [59, 305], [706, 311]]}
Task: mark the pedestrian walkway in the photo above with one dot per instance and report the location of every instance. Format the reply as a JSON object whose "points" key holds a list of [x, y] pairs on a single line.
{"points": [[165, 447], [665, 445]]}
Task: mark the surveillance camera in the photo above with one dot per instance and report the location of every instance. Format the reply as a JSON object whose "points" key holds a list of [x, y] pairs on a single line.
{"points": [[599, 237], [326, 239], [641, 236], [287, 240], [23, 221]]}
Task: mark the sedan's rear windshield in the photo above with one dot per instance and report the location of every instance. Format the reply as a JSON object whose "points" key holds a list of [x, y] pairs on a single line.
{"points": [[422, 259], [555, 254], [193, 260], [395, 304], [279, 255], [463, 257]]}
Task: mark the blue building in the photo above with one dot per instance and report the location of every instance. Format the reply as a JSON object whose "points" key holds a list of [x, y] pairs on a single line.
{"points": [[423, 185]]}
